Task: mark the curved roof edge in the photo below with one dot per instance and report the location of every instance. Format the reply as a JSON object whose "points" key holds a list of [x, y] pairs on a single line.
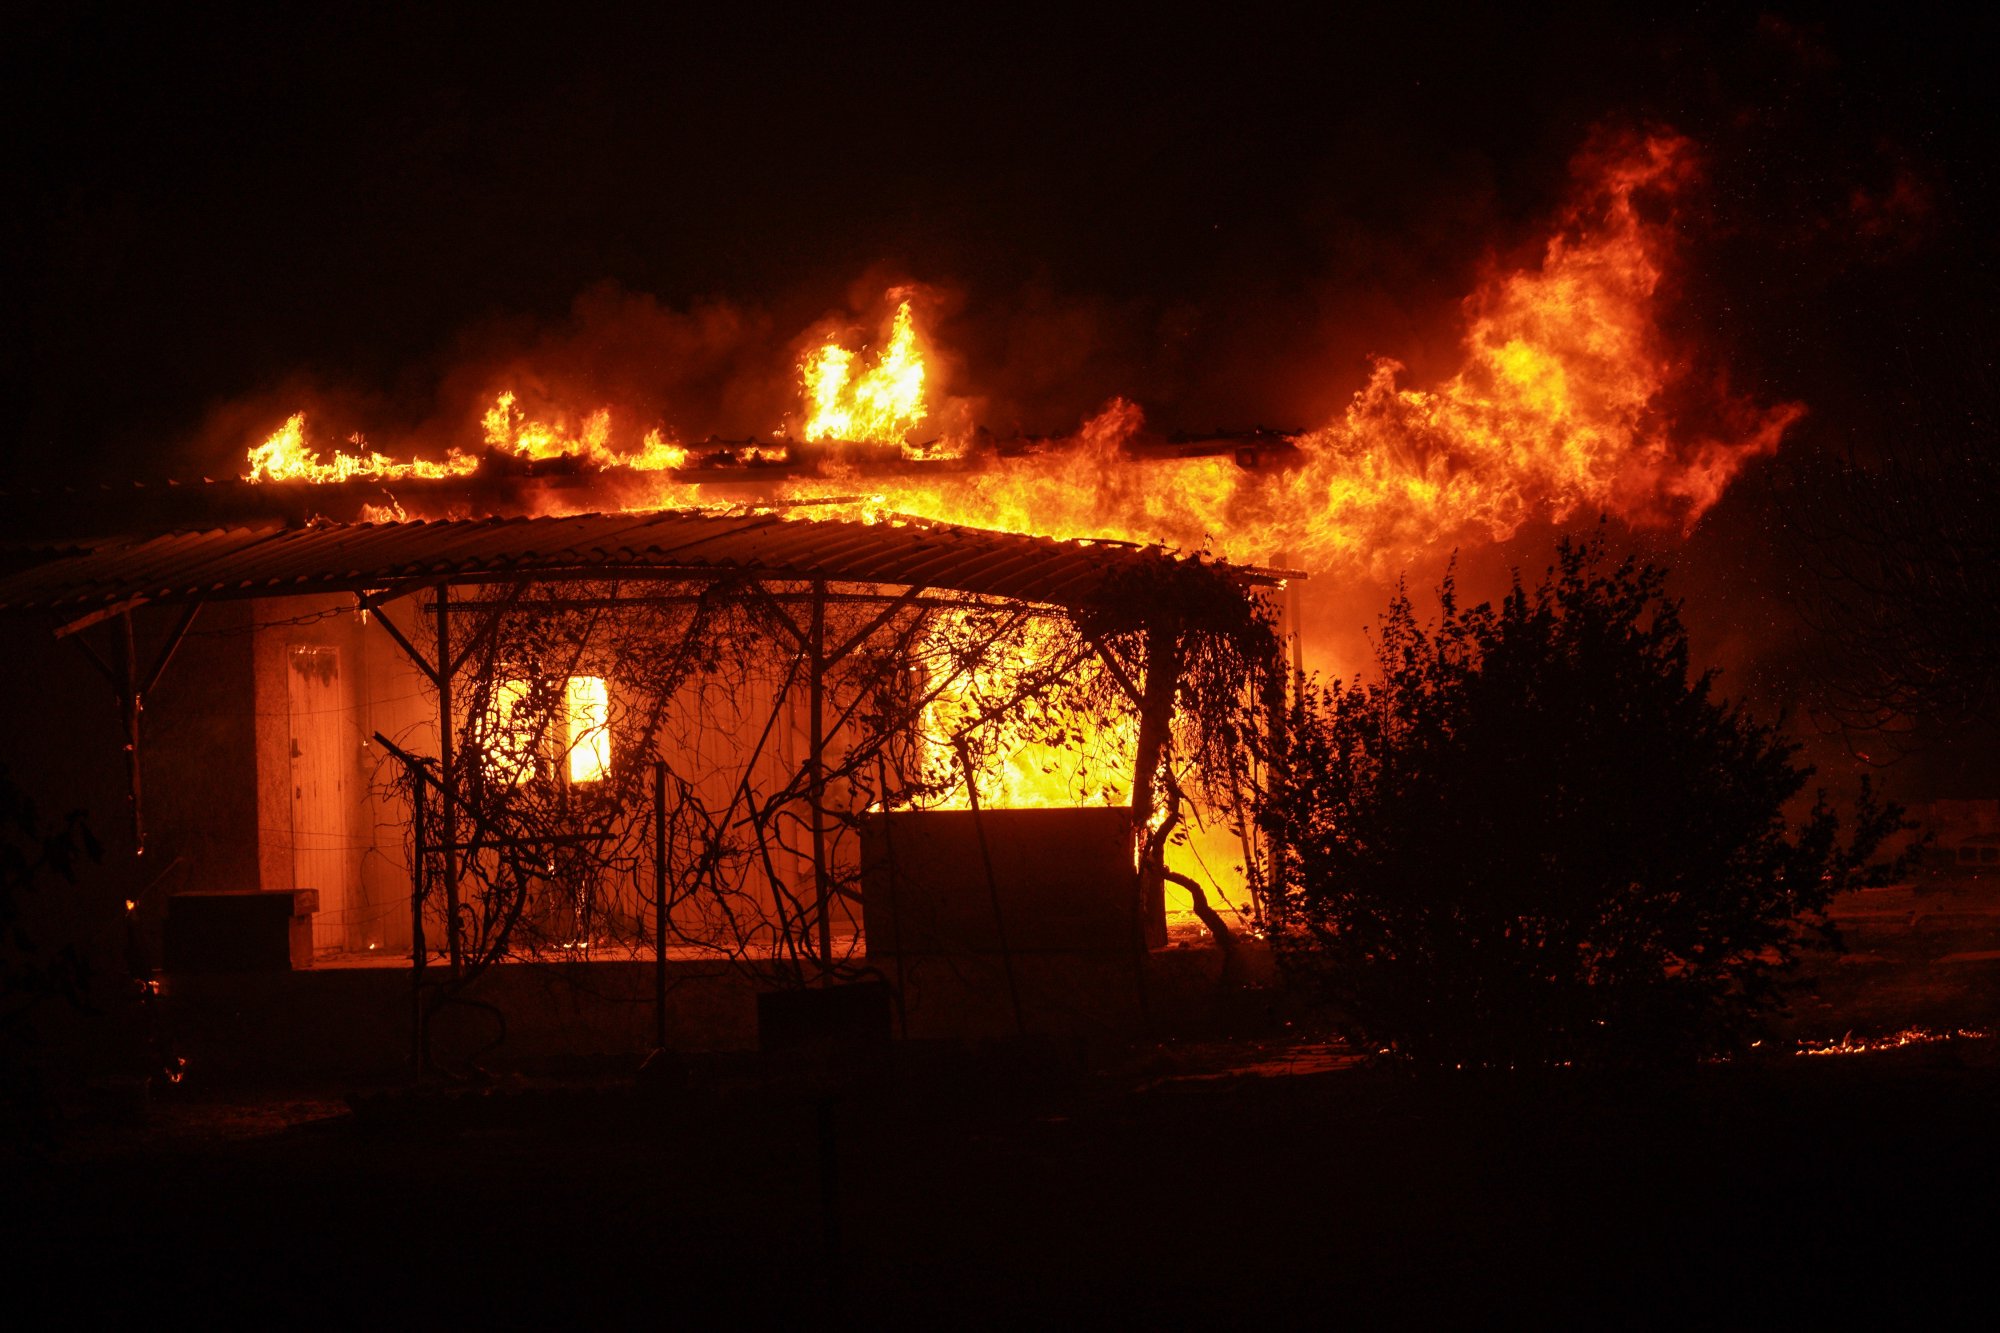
{"points": [[276, 561]]}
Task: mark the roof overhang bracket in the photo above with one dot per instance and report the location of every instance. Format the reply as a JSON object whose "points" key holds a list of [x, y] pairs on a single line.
{"points": [[101, 614], [880, 619]]}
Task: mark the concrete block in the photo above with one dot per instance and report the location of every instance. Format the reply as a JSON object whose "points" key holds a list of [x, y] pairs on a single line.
{"points": [[1063, 880], [239, 930]]}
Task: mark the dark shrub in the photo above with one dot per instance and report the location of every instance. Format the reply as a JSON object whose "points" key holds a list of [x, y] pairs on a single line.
{"points": [[1536, 838]]}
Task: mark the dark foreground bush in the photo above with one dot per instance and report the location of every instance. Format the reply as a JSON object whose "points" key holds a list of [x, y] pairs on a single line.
{"points": [[1537, 838]]}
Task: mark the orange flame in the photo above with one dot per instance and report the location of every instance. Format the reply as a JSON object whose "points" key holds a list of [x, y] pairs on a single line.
{"points": [[509, 431], [1849, 1044], [1017, 770], [1562, 404], [286, 456], [882, 405], [1558, 407]]}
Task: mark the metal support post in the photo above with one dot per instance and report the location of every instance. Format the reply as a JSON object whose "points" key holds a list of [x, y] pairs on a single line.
{"points": [[419, 1042], [816, 778], [448, 775], [660, 903]]}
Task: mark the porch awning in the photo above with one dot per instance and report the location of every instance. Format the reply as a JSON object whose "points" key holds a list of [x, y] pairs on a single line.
{"points": [[276, 561]]}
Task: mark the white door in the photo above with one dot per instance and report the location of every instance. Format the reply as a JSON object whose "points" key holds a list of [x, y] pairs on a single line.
{"points": [[322, 769]]}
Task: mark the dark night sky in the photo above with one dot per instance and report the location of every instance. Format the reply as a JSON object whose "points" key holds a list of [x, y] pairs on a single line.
{"points": [[1224, 217]]}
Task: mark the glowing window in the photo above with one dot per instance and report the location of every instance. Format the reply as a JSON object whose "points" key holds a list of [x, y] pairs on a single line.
{"points": [[510, 755], [587, 709], [586, 732]]}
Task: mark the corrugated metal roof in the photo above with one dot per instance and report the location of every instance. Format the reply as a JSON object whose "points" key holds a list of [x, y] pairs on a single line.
{"points": [[273, 561]]}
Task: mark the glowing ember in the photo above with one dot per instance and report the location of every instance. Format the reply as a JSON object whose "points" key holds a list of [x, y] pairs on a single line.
{"points": [[1849, 1044]]}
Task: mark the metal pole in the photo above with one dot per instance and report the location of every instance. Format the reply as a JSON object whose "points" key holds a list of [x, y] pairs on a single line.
{"points": [[1294, 614], [660, 903], [1277, 712], [447, 775], [1156, 713], [992, 887], [895, 949], [816, 779], [133, 703], [418, 1045]]}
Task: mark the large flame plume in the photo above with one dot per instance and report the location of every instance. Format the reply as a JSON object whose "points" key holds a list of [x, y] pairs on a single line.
{"points": [[881, 405], [1558, 407], [1564, 402], [1568, 399]]}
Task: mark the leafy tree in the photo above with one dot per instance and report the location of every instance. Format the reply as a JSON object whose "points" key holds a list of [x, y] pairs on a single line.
{"points": [[1538, 838]]}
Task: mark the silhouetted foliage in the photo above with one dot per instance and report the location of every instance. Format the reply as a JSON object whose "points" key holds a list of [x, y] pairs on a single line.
{"points": [[30, 852], [32, 973], [1538, 838]]}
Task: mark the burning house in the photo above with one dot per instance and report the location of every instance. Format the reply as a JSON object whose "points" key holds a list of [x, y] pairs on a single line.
{"points": [[878, 695], [1098, 667]]}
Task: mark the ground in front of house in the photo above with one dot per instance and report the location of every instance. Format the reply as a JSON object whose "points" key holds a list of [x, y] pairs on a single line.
{"points": [[1180, 1183]]}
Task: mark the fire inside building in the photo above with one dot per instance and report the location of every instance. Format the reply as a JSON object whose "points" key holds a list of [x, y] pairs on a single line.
{"points": [[809, 750]]}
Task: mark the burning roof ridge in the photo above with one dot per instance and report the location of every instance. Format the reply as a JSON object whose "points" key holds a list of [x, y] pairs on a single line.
{"points": [[1185, 442], [777, 512]]}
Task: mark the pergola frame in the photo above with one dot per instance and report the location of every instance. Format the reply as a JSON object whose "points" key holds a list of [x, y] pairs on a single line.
{"points": [[793, 596]]}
